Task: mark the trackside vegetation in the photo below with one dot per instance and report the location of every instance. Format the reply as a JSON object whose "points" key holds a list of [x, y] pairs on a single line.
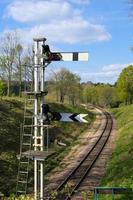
{"points": [[11, 116], [120, 167]]}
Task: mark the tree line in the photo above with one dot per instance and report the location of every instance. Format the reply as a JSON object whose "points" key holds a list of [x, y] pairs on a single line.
{"points": [[65, 86], [13, 62], [16, 75], [111, 95]]}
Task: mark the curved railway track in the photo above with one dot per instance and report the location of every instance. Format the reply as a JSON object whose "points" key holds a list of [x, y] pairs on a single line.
{"points": [[73, 181]]}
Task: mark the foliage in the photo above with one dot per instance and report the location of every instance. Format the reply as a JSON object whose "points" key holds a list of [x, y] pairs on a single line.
{"points": [[125, 85], [19, 67], [101, 94], [120, 167], [86, 195], [66, 84], [21, 197], [3, 88], [90, 94], [108, 95], [53, 195]]}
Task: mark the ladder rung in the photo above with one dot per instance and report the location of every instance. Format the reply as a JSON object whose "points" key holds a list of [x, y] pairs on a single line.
{"points": [[29, 117], [28, 126], [20, 191], [37, 93], [22, 181], [27, 144], [22, 162], [37, 145], [37, 137], [27, 135], [23, 172]]}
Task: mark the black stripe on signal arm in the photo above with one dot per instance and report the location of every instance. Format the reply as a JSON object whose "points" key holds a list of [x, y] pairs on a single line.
{"points": [[73, 117], [75, 56]]}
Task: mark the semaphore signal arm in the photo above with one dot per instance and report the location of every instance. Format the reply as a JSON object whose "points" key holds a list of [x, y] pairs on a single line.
{"points": [[47, 115], [49, 56]]}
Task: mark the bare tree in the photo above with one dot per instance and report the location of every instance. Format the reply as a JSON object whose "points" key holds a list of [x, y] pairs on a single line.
{"points": [[8, 52], [19, 66], [27, 63]]}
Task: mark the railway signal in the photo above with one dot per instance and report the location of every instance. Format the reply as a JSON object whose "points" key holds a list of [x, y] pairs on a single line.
{"points": [[69, 117], [63, 56], [64, 117], [66, 56], [45, 57], [48, 116], [42, 57]]}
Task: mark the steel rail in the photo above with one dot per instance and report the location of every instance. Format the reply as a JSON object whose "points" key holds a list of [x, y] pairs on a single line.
{"points": [[90, 166]]}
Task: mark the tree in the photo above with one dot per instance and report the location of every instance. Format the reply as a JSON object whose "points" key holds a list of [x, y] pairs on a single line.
{"points": [[62, 83], [125, 85], [3, 88], [90, 94], [74, 88], [106, 94], [8, 52], [99, 94], [66, 84], [53, 84], [27, 62], [19, 67]]}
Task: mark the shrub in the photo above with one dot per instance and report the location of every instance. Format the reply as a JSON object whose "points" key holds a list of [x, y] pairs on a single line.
{"points": [[3, 88]]}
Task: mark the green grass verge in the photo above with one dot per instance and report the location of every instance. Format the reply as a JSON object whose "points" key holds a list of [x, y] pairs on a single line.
{"points": [[120, 167]]}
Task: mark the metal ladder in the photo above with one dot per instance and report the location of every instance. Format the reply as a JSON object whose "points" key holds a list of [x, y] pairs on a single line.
{"points": [[25, 147]]}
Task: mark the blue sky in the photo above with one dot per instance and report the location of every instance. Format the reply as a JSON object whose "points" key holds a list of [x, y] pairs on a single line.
{"points": [[101, 27]]}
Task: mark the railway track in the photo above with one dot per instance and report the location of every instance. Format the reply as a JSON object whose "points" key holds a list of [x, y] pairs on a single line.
{"points": [[72, 182]]}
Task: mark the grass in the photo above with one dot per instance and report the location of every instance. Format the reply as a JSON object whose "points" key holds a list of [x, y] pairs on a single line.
{"points": [[120, 167], [11, 115]]}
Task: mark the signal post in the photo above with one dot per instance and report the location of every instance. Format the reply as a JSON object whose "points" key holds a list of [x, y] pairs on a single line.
{"points": [[39, 68], [42, 58]]}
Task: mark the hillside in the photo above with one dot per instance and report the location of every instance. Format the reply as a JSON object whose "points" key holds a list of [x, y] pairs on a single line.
{"points": [[120, 166], [11, 116]]}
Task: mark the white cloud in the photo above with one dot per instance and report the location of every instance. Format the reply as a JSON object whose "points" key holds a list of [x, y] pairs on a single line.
{"points": [[115, 68], [109, 73], [82, 2], [57, 20], [38, 11], [79, 31]]}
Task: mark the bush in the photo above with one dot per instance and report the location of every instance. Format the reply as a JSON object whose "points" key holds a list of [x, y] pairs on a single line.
{"points": [[3, 88], [115, 104]]}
